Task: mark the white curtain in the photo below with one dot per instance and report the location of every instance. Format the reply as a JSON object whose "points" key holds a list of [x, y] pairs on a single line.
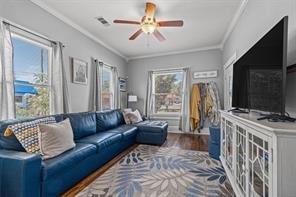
{"points": [[149, 96], [185, 110], [7, 106], [116, 88], [95, 86], [59, 94]]}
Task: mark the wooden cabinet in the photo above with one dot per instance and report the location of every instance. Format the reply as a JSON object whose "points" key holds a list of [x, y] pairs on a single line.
{"points": [[259, 157]]}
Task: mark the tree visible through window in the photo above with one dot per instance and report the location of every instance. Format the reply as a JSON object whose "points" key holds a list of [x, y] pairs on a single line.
{"points": [[30, 78], [167, 92], [107, 89]]}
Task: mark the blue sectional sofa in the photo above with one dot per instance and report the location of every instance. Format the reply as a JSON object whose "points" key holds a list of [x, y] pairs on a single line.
{"points": [[99, 137]]}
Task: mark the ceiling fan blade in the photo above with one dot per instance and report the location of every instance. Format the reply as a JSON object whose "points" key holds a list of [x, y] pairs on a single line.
{"points": [[150, 10], [135, 35], [158, 35], [127, 22], [178, 23]]}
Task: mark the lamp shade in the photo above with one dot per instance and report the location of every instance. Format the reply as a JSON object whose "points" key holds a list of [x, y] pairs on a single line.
{"points": [[132, 98]]}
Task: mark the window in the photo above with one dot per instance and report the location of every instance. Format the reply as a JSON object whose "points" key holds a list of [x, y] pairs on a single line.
{"points": [[30, 61], [167, 91], [107, 88]]}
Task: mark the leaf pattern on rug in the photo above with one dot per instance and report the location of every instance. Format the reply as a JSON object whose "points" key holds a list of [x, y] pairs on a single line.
{"points": [[99, 187], [132, 158], [152, 171], [125, 184], [178, 163], [214, 173], [161, 180], [199, 157]]}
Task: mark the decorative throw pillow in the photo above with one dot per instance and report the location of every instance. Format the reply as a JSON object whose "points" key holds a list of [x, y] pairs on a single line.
{"points": [[27, 133], [134, 117], [55, 138], [125, 112]]}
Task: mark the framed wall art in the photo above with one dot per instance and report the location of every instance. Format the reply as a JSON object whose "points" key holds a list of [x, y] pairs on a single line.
{"points": [[79, 71], [122, 84]]}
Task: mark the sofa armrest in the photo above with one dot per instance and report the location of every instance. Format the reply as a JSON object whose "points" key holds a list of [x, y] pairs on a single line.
{"points": [[20, 174]]}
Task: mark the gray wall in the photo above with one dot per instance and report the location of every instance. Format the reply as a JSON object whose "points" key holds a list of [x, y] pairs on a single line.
{"points": [[28, 15], [257, 19], [197, 61]]}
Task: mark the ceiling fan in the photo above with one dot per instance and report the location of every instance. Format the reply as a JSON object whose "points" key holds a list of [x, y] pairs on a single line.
{"points": [[149, 25]]}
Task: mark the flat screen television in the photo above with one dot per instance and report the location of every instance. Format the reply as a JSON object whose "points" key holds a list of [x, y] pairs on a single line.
{"points": [[259, 76]]}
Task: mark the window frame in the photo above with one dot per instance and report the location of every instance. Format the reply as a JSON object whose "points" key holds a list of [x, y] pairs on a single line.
{"points": [[153, 93], [33, 40], [111, 88]]}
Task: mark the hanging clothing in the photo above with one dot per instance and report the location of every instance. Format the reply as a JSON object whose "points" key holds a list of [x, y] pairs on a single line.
{"points": [[215, 114], [208, 101], [194, 109], [203, 94]]}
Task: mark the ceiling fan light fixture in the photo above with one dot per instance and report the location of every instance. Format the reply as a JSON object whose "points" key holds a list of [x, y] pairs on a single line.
{"points": [[148, 28], [149, 25]]}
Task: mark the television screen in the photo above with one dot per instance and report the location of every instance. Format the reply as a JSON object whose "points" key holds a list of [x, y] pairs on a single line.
{"points": [[259, 76]]}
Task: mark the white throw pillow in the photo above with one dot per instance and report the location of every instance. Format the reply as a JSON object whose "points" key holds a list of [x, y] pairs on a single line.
{"points": [[125, 112], [55, 138], [134, 117]]}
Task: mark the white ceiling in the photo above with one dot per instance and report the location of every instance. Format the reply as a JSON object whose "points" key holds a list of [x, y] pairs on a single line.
{"points": [[206, 23]]}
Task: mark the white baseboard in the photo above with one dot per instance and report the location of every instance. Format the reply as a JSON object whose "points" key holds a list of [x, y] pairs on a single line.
{"points": [[173, 128], [194, 133]]}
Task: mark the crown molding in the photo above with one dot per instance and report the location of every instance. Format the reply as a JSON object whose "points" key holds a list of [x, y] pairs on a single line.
{"points": [[234, 21], [215, 47], [68, 21]]}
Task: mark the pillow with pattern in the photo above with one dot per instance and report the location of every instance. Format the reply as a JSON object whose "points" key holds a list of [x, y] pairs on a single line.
{"points": [[27, 133]]}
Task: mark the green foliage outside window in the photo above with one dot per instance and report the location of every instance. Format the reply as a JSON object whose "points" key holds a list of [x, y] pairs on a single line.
{"points": [[168, 93], [36, 105]]}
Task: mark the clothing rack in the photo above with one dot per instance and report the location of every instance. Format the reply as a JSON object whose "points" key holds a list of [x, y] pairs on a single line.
{"points": [[205, 105]]}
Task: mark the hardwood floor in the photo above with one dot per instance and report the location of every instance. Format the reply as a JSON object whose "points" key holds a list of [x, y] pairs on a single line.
{"points": [[184, 141], [187, 141]]}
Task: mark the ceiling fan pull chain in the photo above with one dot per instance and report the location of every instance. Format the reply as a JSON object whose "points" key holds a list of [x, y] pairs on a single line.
{"points": [[148, 40]]}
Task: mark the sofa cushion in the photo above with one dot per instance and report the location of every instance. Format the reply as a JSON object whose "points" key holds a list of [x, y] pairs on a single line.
{"points": [[151, 126], [102, 139], [67, 159], [107, 120], [125, 130], [83, 124], [54, 139]]}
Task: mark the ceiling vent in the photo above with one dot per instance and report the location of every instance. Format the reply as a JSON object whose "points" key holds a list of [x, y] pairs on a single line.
{"points": [[103, 21]]}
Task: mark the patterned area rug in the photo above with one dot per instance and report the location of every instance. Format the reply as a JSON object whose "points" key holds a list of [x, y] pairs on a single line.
{"points": [[151, 171]]}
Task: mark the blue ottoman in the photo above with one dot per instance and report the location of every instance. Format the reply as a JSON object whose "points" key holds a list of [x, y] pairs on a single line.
{"points": [[152, 132], [214, 142]]}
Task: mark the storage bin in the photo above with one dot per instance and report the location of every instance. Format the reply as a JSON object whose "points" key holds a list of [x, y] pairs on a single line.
{"points": [[214, 142]]}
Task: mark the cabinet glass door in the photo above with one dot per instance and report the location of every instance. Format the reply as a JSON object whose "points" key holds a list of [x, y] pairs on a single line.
{"points": [[223, 138], [259, 164], [229, 141], [241, 159]]}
